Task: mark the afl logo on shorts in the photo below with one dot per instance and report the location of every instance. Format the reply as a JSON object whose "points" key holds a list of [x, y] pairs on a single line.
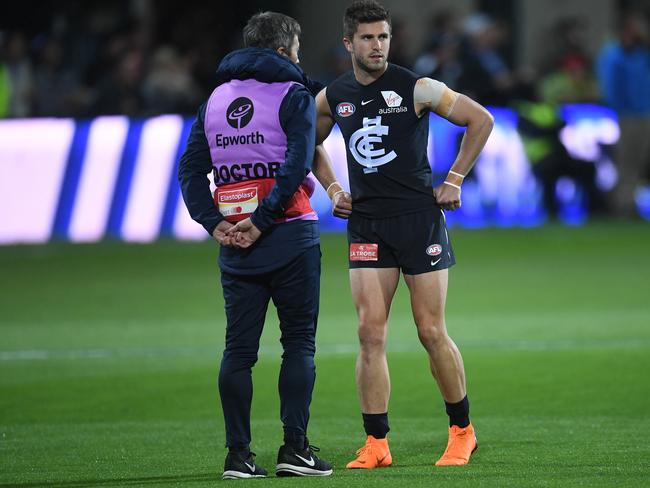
{"points": [[240, 112], [345, 109], [434, 249]]}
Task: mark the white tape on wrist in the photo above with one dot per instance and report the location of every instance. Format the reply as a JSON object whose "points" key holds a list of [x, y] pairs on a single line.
{"points": [[451, 184], [456, 174], [331, 185]]}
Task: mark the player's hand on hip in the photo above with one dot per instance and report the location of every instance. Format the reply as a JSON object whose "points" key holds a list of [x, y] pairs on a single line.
{"points": [[244, 233], [220, 233], [447, 197], [342, 204]]}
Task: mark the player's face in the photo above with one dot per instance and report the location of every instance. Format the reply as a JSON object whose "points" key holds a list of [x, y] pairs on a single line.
{"points": [[369, 46]]}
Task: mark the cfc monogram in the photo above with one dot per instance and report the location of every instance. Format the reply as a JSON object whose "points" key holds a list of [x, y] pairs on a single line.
{"points": [[362, 145]]}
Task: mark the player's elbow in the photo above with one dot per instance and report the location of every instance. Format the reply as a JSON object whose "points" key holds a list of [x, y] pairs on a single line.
{"points": [[488, 121], [483, 120]]}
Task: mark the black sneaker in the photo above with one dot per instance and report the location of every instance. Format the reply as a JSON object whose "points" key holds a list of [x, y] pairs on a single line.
{"points": [[295, 462], [238, 466]]}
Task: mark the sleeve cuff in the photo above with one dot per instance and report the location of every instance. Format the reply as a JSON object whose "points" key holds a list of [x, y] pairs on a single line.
{"points": [[209, 227], [261, 222]]}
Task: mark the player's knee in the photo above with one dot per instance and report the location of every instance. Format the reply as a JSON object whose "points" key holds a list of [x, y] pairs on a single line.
{"points": [[432, 336], [371, 336], [371, 342]]}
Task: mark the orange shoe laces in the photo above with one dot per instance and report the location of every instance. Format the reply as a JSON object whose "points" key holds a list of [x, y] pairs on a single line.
{"points": [[365, 449]]}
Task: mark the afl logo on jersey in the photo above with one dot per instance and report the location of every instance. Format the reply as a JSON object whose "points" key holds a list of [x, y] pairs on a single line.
{"points": [[345, 109], [240, 112], [434, 249]]}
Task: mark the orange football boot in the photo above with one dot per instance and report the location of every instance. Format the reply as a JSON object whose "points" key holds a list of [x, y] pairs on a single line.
{"points": [[462, 443], [375, 454]]}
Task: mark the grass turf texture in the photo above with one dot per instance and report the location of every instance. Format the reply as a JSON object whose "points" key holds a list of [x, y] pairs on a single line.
{"points": [[109, 357]]}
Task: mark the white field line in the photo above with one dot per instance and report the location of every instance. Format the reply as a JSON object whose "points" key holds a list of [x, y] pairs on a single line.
{"points": [[322, 350]]}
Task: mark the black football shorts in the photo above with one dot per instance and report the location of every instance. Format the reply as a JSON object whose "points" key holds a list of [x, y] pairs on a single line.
{"points": [[415, 242]]}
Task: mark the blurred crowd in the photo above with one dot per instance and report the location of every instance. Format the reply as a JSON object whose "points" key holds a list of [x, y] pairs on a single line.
{"points": [[109, 60], [127, 57], [100, 58]]}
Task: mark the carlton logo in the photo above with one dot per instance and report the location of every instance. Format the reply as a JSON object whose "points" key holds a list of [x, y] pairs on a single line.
{"points": [[364, 144], [434, 249], [240, 112], [364, 252], [345, 109]]}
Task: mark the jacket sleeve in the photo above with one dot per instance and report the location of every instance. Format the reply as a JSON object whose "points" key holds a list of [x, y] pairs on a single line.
{"points": [[194, 166], [314, 86], [298, 120]]}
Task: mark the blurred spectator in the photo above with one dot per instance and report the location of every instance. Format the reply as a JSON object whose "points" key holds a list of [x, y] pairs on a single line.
{"points": [[570, 76], [440, 58], [57, 89], [540, 125], [624, 72], [485, 76], [119, 92], [572, 82], [5, 88], [399, 43], [89, 40], [169, 87], [568, 79], [565, 42], [338, 62], [20, 74]]}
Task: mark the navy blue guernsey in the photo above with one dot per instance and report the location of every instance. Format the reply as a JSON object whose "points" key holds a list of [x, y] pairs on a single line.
{"points": [[386, 143]]}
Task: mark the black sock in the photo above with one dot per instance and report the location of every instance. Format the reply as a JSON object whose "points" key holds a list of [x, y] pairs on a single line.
{"points": [[458, 413], [376, 424], [295, 439]]}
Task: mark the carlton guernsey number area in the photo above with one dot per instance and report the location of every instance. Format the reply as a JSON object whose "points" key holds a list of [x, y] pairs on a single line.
{"points": [[109, 355]]}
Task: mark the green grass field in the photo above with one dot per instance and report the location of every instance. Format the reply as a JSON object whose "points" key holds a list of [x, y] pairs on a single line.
{"points": [[109, 357]]}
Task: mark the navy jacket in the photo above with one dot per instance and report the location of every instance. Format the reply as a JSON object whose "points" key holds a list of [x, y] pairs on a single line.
{"points": [[281, 243]]}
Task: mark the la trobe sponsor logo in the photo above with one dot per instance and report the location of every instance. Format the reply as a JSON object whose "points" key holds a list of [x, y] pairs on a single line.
{"points": [[364, 252]]}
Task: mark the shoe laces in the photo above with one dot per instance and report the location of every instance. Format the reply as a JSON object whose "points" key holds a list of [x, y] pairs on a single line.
{"points": [[366, 449], [456, 436], [312, 449]]}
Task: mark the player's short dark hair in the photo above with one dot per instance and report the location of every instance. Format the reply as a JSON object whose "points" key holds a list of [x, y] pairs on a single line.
{"points": [[271, 30], [363, 12]]}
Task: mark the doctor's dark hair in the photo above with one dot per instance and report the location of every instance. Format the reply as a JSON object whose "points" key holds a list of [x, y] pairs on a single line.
{"points": [[363, 12], [271, 30]]}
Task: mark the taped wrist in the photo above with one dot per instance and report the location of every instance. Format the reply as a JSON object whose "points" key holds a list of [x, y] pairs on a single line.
{"points": [[333, 189], [454, 179]]}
